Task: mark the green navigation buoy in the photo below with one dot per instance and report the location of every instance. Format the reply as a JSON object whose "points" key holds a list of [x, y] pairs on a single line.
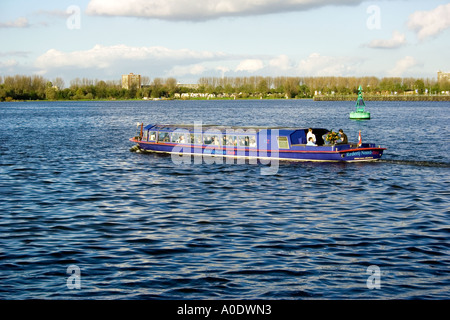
{"points": [[360, 113]]}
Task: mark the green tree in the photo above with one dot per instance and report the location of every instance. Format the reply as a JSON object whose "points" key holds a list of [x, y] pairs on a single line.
{"points": [[38, 87], [304, 91], [419, 86], [101, 89], [156, 88], [51, 93], [2, 94], [132, 92], [291, 87], [435, 88], [262, 86], [170, 86], [229, 88]]}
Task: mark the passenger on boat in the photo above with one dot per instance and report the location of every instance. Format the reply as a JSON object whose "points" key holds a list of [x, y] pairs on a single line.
{"points": [[242, 142], [311, 142], [344, 139], [215, 141], [311, 135]]}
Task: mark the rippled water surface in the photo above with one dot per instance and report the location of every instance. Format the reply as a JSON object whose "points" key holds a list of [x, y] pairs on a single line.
{"points": [[138, 226]]}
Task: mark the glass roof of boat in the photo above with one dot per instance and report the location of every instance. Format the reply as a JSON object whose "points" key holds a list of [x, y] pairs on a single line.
{"points": [[171, 127]]}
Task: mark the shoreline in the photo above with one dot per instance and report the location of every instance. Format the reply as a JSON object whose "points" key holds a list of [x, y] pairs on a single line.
{"points": [[384, 98], [435, 98]]}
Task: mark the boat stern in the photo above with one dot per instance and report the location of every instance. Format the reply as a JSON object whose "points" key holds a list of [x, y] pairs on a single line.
{"points": [[365, 152]]}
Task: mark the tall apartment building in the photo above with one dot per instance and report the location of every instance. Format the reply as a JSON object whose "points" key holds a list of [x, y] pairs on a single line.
{"points": [[443, 76], [131, 80]]}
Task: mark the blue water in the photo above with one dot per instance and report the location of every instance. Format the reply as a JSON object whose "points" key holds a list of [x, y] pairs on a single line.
{"points": [[138, 226]]}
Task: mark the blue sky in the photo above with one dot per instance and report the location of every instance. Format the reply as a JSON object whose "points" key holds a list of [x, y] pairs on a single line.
{"points": [[103, 39]]}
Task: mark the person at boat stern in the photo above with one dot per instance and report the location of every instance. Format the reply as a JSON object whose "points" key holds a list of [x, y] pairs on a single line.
{"points": [[310, 135], [344, 139], [311, 142]]}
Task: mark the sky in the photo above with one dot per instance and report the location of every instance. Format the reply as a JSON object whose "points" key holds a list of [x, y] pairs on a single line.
{"points": [[187, 40]]}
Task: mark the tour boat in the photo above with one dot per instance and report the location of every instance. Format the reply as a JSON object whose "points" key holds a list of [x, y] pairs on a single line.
{"points": [[279, 143], [360, 113]]}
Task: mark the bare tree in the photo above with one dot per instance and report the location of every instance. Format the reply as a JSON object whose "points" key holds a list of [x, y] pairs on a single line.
{"points": [[59, 83], [145, 80]]}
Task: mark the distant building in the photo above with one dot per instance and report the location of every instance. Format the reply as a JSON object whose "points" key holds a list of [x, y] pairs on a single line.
{"points": [[131, 80], [443, 76]]}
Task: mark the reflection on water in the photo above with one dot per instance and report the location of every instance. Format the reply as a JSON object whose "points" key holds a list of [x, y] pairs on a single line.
{"points": [[138, 226]]}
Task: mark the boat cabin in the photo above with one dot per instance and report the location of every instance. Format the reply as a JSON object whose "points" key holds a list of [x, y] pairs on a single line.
{"points": [[210, 135]]}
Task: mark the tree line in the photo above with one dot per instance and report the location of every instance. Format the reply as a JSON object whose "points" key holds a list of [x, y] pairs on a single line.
{"points": [[22, 87], [36, 87], [307, 87]]}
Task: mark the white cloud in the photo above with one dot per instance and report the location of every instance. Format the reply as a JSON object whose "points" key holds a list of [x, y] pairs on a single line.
{"points": [[15, 53], [103, 57], [8, 63], [53, 13], [314, 65], [282, 62], [18, 23], [403, 65], [222, 70], [250, 65], [179, 71], [203, 9], [398, 39], [430, 23], [321, 66]]}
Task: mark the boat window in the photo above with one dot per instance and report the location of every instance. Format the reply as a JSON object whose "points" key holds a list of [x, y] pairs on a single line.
{"points": [[145, 135], [252, 143], [164, 137], [178, 137], [211, 139], [283, 143], [216, 140], [247, 141], [230, 140], [151, 135], [207, 139], [196, 138], [244, 141]]}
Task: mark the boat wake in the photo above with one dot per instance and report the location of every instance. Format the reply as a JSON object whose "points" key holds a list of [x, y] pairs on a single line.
{"points": [[417, 163]]}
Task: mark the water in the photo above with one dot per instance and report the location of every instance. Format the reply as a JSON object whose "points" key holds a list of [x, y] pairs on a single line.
{"points": [[137, 226]]}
